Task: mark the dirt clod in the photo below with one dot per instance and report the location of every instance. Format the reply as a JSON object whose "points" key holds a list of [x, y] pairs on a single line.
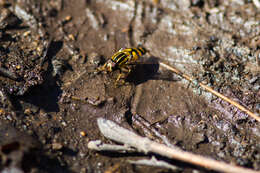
{"points": [[51, 92]]}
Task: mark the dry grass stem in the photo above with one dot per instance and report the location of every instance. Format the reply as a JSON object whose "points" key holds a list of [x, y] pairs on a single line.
{"points": [[114, 132], [240, 107]]}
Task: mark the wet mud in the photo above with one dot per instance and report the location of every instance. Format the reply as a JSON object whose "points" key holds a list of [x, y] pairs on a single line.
{"points": [[51, 94]]}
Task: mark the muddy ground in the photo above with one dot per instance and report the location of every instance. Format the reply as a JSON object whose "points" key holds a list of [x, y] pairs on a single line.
{"points": [[51, 97]]}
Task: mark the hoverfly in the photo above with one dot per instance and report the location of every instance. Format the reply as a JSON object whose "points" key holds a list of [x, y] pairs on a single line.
{"points": [[122, 60]]}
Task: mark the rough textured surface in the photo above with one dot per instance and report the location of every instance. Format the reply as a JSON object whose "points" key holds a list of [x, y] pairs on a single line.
{"points": [[50, 49]]}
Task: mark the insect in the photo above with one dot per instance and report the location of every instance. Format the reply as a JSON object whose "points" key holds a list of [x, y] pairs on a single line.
{"points": [[122, 61]]}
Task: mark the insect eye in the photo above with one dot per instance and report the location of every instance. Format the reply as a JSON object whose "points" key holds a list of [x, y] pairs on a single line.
{"points": [[144, 50]]}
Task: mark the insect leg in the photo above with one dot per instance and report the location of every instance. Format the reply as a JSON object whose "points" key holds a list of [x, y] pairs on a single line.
{"points": [[124, 71], [118, 78], [102, 68]]}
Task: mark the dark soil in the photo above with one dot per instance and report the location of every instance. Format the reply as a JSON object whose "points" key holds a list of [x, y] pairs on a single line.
{"points": [[51, 95]]}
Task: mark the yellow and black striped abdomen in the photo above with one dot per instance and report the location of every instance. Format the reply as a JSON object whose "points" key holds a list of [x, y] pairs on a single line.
{"points": [[128, 55], [134, 53], [119, 58]]}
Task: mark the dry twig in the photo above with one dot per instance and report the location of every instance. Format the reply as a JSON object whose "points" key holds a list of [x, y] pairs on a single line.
{"points": [[147, 126], [240, 107], [114, 132], [99, 146], [154, 162]]}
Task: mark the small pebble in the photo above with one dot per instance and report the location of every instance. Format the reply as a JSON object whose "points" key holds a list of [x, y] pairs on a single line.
{"points": [[82, 155], [198, 138], [56, 146], [82, 133], [94, 58], [27, 111], [83, 170], [111, 100], [9, 117], [64, 123]]}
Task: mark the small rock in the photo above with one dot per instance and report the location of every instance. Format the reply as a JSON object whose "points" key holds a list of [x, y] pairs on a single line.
{"points": [[94, 59], [27, 111], [198, 138], [82, 155], [199, 3], [92, 19], [111, 100], [185, 4], [58, 67], [96, 102], [82, 133], [56, 146], [9, 117], [64, 123], [195, 171], [83, 170], [221, 154]]}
